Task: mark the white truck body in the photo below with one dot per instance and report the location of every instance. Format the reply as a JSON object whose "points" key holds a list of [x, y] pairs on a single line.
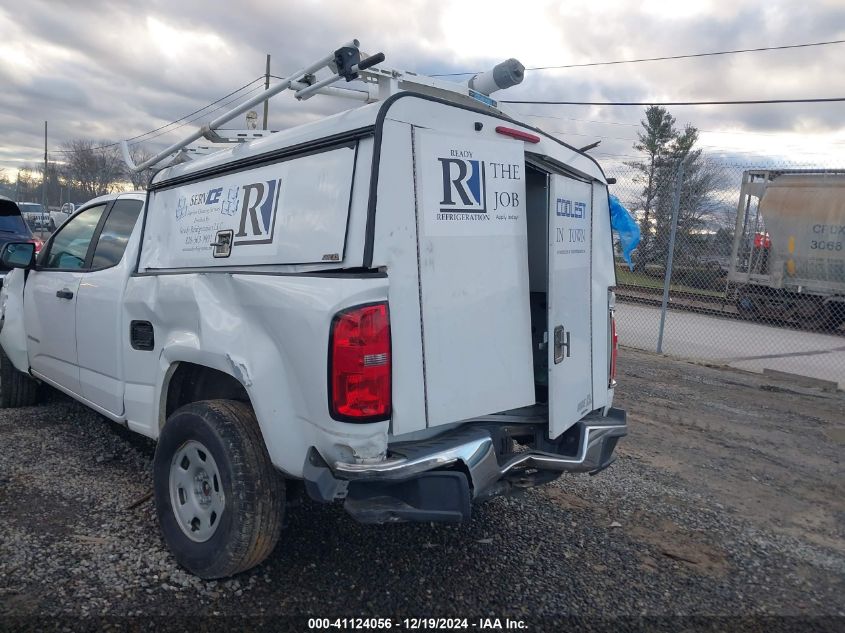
{"points": [[60, 216], [492, 255], [35, 214]]}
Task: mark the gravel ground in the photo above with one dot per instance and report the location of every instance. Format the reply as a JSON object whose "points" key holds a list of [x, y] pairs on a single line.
{"points": [[727, 500]]}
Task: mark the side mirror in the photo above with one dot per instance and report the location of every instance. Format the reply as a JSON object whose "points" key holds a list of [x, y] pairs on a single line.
{"points": [[18, 255]]}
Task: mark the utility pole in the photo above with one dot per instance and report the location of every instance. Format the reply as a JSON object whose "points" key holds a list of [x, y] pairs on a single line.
{"points": [[266, 86], [44, 183]]}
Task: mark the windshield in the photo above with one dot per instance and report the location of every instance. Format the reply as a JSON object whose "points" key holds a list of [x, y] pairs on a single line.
{"points": [[11, 220], [13, 224]]}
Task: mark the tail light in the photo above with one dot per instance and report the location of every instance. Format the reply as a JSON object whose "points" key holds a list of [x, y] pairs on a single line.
{"points": [[518, 134], [38, 244], [359, 364], [614, 350]]}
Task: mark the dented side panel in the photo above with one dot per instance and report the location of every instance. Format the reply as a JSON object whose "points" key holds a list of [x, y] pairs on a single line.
{"points": [[13, 334], [270, 333]]}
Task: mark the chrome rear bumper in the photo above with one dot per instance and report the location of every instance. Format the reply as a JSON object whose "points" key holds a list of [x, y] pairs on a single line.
{"points": [[478, 456]]}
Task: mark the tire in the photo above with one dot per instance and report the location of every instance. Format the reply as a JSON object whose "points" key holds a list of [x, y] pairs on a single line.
{"points": [[52, 226], [825, 318], [837, 316], [16, 388], [227, 469]]}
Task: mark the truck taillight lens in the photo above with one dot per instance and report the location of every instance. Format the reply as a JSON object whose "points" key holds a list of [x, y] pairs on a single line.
{"points": [[614, 350], [359, 364]]}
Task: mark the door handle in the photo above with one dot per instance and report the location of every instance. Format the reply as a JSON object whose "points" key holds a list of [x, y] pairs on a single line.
{"points": [[561, 344], [64, 294]]}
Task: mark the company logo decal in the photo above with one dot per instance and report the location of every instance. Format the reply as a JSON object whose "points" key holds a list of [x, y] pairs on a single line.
{"points": [[258, 212], [469, 186], [571, 235], [568, 209], [464, 185], [229, 204], [465, 194], [251, 208]]}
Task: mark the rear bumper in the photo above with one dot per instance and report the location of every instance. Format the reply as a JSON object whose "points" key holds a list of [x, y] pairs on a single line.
{"points": [[437, 479]]}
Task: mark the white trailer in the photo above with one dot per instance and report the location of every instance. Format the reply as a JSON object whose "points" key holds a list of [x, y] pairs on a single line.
{"points": [[788, 259]]}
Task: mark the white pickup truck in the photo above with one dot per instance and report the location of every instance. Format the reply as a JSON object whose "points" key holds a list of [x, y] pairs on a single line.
{"points": [[407, 306]]}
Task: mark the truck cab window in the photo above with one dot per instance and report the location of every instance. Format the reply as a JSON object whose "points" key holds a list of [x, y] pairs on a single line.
{"points": [[68, 249], [115, 234]]}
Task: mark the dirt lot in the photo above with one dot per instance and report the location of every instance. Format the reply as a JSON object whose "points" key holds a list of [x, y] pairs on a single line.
{"points": [[727, 500]]}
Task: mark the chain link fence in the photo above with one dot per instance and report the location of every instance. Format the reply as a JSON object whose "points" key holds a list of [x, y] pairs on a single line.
{"points": [[738, 264]]}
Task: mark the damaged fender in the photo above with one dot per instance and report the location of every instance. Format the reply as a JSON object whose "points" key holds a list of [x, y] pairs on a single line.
{"points": [[13, 333]]}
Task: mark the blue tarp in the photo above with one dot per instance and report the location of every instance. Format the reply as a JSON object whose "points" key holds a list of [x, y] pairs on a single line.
{"points": [[626, 226]]}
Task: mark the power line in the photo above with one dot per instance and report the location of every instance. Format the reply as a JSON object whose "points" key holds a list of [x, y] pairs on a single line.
{"points": [[182, 118], [667, 57], [677, 103], [569, 118], [226, 96], [709, 151], [639, 125], [610, 138], [220, 107]]}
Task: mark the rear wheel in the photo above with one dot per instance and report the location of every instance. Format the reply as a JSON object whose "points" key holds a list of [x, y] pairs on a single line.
{"points": [[219, 500], [837, 315], [826, 317], [16, 388]]}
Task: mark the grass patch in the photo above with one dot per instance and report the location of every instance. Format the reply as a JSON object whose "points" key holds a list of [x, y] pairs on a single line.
{"points": [[625, 276]]}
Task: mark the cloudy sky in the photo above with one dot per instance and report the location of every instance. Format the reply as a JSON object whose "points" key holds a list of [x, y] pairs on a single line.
{"points": [[111, 69]]}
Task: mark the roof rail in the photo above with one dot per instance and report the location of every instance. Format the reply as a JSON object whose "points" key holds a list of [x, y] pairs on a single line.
{"points": [[344, 63]]}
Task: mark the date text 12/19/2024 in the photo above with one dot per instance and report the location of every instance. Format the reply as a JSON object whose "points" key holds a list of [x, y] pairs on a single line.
{"points": [[416, 624]]}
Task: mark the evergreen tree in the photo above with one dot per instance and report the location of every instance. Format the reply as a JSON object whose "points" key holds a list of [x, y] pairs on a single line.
{"points": [[665, 147], [654, 140]]}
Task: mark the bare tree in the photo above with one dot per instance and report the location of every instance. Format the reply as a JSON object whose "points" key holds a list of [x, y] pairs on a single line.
{"points": [[53, 181], [7, 187], [26, 185], [140, 179], [95, 169]]}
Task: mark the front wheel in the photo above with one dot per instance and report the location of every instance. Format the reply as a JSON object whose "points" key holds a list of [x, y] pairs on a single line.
{"points": [[16, 388], [218, 498]]}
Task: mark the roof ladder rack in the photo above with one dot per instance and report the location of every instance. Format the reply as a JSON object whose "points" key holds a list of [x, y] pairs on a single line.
{"points": [[344, 63]]}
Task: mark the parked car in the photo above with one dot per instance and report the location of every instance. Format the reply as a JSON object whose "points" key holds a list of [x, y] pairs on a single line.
{"points": [[57, 218], [405, 308], [35, 215], [13, 229]]}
